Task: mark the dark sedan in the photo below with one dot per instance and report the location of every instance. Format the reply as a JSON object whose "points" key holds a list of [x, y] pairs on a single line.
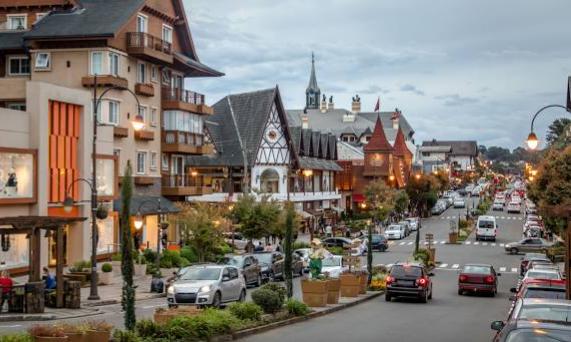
{"points": [[379, 242], [478, 278]]}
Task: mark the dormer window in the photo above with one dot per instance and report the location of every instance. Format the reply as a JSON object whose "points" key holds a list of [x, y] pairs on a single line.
{"points": [[17, 22]]}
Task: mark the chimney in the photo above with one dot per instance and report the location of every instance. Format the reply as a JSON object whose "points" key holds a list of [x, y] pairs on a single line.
{"points": [[356, 104], [330, 106], [323, 106], [395, 118]]}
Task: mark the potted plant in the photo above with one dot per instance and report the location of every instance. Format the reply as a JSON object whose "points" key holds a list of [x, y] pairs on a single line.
{"points": [[45, 333], [106, 277], [140, 266], [350, 284], [97, 331], [74, 333], [315, 292]]}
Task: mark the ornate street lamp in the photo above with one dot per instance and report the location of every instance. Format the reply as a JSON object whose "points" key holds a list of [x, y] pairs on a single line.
{"points": [[532, 141], [138, 123]]}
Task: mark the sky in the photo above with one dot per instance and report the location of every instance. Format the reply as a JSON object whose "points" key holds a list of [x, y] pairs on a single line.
{"points": [[457, 69]]}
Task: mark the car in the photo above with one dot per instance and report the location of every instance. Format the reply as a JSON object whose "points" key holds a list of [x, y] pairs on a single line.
{"points": [[304, 255], [476, 191], [534, 275], [528, 245], [486, 228], [498, 206], [413, 223], [547, 290], [237, 239], [379, 241], [409, 280], [514, 207], [296, 265], [541, 264], [248, 266], [395, 232], [478, 278], [333, 266], [459, 202], [406, 226], [531, 330], [207, 285], [528, 257], [555, 310], [439, 208], [337, 242], [272, 265]]}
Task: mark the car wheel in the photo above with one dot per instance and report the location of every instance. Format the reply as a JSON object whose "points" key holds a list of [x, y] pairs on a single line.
{"points": [[301, 271], [259, 280], [430, 294], [216, 301], [172, 306], [424, 298], [460, 292], [388, 297], [242, 296], [513, 250]]}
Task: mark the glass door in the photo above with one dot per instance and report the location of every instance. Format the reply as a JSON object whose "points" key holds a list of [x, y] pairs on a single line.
{"points": [[52, 248], [178, 170]]}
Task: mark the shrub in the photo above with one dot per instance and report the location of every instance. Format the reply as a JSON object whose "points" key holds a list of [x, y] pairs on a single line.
{"points": [[150, 255], [422, 256], [148, 328], [106, 268], [152, 268], [117, 257], [125, 336], [270, 301], [336, 250], [246, 311], [46, 331], [278, 289], [170, 259], [16, 338], [184, 262], [300, 245], [202, 327], [189, 254], [80, 265], [297, 308], [462, 224], [98, 326]]}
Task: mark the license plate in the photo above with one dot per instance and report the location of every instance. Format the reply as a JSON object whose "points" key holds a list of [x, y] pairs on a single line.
{"points": [[405, 283]]}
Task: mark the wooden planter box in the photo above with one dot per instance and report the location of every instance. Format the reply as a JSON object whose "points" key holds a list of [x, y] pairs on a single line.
{"points": [[333, 291], [164, 316], [452, 237], [350, 285], [364, 280], [315, 292], [75, 337], [50, 339], [97, 336]]}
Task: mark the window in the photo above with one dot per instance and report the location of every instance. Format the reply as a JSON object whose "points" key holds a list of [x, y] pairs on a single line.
{"points": [[165, 162], [43, 61], [114, 64], [166, 77], [154, 73], [143, 113], [39, 16], [114, 112], [141, 162], [17, 106], [153, 161], [141, 72], [167, 33], [141, 23], [18, 65], [97, 63], [183, 121], [17, 22], [154, 118], [269, 181]]}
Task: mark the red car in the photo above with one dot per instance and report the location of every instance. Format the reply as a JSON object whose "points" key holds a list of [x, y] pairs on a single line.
{"points": [[540, 289], [478, 278]]}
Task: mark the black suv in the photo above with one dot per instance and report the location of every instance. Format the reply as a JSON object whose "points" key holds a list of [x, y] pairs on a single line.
{"points": [[409, 280]]}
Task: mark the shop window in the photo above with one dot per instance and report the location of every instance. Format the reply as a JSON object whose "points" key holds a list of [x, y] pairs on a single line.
{"points": [[17, 176], [269, 181]]}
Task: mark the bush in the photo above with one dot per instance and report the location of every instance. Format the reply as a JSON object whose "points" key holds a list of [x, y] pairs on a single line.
{"points": [[150, 256], [117, 257], [246, 311], [189, 254], [152, 268], [210, 323], [336, 250], [125, 336], [170, 259], [106, 268], [297, 308], [16, 338], [278, 289], [462, 224], [80, 265], [268, 300], [148, 328], [300, 245], [422, 256], [184, 262]]}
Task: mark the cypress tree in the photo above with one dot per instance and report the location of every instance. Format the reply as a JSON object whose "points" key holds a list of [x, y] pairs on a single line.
{"points": [[370, 254], [128, 296], [288, 244]]}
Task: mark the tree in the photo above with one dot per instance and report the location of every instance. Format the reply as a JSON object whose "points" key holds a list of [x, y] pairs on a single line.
{"points": [[421, 190], [128, 293], [402, 202], [201, 225], [288, 247], [557, 130], [257, 219]]}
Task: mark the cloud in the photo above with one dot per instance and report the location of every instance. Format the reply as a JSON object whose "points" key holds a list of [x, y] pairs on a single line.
{"points": [[456, 100], [412, 89], [373, 89]]}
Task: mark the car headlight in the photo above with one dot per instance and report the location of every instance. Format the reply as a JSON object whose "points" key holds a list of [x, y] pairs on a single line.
{"points": [[206, 288], [170, 290]]}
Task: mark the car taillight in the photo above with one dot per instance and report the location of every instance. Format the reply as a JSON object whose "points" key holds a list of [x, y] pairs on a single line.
{"points": [[389, 280], [462, 278], [421, 282], [489, 279]]}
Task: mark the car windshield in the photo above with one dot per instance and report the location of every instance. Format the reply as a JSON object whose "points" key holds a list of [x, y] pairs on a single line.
{"points": [[201, 274], [376, 238], [234, 260], [476, 269], [393, 228], [486, 224], [544, 293], [406, 271], [539, 335], [546, 312], [331, 262], [542, 275], [264, 258]]}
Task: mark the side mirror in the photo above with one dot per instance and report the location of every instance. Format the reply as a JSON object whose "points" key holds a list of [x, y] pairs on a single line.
{"points": [[225, 278], [513, 290], [497, 325], [431, 274]]}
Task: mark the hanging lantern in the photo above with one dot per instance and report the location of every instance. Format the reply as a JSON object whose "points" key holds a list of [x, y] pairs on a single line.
{"points": [[102, 212]]}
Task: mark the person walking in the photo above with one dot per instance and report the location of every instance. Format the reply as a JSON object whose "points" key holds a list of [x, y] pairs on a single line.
{"points": [[6, 284]]}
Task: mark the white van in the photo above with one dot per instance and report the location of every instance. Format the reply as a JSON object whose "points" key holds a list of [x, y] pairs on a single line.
{"points": [[486, 228]]}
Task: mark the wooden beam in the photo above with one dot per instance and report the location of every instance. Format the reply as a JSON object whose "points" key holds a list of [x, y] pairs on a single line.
{"points": [[59, 268]]}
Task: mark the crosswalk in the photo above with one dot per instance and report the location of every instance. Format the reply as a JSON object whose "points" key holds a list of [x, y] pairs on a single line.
{"points": [[443, 242], [514, 218], [452, 267]]}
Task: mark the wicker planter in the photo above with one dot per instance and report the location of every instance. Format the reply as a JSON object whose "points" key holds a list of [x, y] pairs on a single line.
{"points": [[50, 339], [106, 278], [333, 291], [350, 285], [75, 337], [140, 270], [315, 292], [97, 336]]}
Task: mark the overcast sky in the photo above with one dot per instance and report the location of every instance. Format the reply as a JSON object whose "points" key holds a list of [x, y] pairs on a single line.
{"points": [[457, 69]]}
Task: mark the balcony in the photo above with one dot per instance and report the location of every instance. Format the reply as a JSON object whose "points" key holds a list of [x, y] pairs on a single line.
{"points": [[149, 48], [184, 142], [105, 81], [144, 89], [145, 135], [183, 185], [120, 132], [180, 99]]}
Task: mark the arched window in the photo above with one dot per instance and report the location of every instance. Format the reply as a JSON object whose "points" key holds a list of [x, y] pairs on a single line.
{"points": [[269, 181]]}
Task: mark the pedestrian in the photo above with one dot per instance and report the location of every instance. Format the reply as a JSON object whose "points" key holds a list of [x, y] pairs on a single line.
{"points": [[328, 231], [49, 279], [6, 284], [268, 248], [250, 247]]}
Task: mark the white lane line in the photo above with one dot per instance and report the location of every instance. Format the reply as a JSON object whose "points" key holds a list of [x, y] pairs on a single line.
{"points": [[503, 217], [468, 242], [521, 218], [514, 269], [484, 243], [442, 242], [448, 217], [502, 269], [402, 243], [410, 243], [152, 306], [11, 326], [476, 243], [455, 266], [443, 266], [443, 218], [493, 244], [502, 244], [426, 242]]}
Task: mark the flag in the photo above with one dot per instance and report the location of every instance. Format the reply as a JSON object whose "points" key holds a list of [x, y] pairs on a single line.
{"points": [[378, 105]]}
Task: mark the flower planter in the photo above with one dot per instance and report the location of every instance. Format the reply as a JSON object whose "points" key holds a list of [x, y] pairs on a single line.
{"points": [[106, 278], [140, 270], [75, 337], [333, 291], [364, 283], [315, 292], [50, 339], [453, 237], [350, 285], [164, 316], [97, 336]]}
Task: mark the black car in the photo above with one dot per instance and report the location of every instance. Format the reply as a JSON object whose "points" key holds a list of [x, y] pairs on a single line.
{"points": [[272, 265], [409, 280], [380, 243], [336, 242]]}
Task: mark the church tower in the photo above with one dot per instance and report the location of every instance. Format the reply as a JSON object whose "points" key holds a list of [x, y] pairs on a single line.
{"points": [[312, 93]]}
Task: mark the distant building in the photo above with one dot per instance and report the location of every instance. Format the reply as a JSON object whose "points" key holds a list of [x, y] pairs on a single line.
{"points": [[453, 156]]}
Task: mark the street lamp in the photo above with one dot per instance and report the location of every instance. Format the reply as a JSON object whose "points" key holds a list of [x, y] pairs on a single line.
{"points": [[138, 123], [532, 141]]}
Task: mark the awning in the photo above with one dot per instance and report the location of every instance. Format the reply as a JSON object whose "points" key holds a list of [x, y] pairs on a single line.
{"points": [[358, 198], [148, 205]]}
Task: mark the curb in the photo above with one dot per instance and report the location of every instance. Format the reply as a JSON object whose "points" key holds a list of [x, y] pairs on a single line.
{"points": [[47, 317], [256, 330], [118, 301]]}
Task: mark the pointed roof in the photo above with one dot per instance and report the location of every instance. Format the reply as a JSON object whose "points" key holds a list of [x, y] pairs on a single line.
{"points": [[312, 86], [400, 145], [378, 142]]}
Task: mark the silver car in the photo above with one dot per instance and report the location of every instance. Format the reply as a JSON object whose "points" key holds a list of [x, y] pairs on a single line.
{"points": [[207, 285]]}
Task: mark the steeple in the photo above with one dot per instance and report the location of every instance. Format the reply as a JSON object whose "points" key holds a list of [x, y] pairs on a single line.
{"points": [[312, 93]]}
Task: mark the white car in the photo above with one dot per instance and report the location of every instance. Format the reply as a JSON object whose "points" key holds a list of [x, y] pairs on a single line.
{"points": [[542, 274], [514, 207], [406, 226], [459, 202], [333, 265], [498, 205], [394, 232], [413, 223], [486, 228]]}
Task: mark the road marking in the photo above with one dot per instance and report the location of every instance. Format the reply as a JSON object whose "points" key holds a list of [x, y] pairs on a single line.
{"points": [[514, 269], [493, 243], [503, 217], [448, 217], [502, 269], [442, 242], [410, 243], [391, 243], [152, 306], [468, 242], [484, 243], [11, 326], [502, 244], [443, 266], [455, 266], [402, 243], [426, 242], [521, 218], [476, 243]]}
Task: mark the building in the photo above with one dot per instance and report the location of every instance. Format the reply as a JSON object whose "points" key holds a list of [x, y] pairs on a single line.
{"points": [[133, 54], [256, 151], [452, 156]]}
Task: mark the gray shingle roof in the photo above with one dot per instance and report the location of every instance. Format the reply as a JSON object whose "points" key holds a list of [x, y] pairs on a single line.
{"points": [[12, 40], [92, 18], [200, 70], [318, 164], [459, 147], [148, 204]]}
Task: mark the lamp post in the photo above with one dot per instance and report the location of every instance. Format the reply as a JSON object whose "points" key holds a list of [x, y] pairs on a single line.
{"points": [[139, 224]]}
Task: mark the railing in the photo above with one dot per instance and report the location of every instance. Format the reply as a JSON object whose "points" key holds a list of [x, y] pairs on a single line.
{"points": [[142, 39], [176, 94], [181, 137], [183, 180]]}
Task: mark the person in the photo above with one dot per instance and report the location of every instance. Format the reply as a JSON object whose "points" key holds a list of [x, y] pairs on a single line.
{"points": [[328, 231], [268, 248], [259, 247], [6, 284], [49, 279], [249, 247]]}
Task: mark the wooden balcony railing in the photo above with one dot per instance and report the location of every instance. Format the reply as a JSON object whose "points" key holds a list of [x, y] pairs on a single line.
{"points": [[180, 137], [145, 40], [181, 95]]}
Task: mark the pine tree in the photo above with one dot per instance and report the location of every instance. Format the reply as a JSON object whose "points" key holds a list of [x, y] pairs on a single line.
{"points": [[289, 223], [128, 297]]}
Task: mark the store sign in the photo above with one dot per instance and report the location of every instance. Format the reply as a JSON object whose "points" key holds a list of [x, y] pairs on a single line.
{"points": [[18, 176]]}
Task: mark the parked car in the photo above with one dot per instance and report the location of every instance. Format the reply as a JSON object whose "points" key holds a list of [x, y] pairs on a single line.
{"points": [[239, 240], [478, 278], [409, 280], [459, 202], [528, 245], [304, 255], [439, 208], [406, 226], [535, 274], [486, 228], [333, 265], [514, 207], [528, 257], [548, 290], [337, 242], [395, 232], [498, 206], [413, 223], [296, 265], [531, 330], [537, 309], [207, 285], [248, 266], [272, 265], [379, 242]]}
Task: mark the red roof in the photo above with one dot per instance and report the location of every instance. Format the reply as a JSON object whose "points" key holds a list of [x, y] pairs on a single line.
{"points": [[400, 145], [378, 142]]}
